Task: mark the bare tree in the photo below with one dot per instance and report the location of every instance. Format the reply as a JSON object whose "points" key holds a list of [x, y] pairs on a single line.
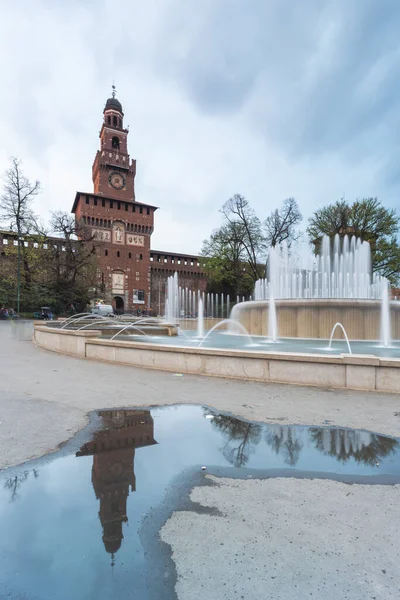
{"points": [[71, 261], [16, 208], [281, 225], [238, 210]]}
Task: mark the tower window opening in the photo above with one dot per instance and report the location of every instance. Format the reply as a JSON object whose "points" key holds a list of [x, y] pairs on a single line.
{"points": [[105, 252], [115, 121], [119, 205], [133, 208], [141, 256], [120, 122], [148, 211], [126, 206], [115, 142], [141, 210], [103, 203], [95, 201], [118, 254], [111, 204], [87, 199], [130, 254], [109, 119]]}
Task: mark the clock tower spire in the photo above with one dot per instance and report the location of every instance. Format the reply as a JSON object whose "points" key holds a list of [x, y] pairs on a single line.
{"points": [[113, 171]]}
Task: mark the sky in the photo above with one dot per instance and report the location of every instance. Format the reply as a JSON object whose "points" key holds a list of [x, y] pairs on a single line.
{"points": [[266, 98]]}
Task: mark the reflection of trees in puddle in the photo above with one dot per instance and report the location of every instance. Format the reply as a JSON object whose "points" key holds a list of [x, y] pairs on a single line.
{"points": [[284, 441], [366, 448], [288, 442], [14, 483], [242, 438]]}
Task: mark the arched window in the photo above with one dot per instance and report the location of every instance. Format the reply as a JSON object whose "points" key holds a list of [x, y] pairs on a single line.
{"points": [[120, 123], [109, 119], [97, 222], [115, 121], [101, 222], [115, 142]]}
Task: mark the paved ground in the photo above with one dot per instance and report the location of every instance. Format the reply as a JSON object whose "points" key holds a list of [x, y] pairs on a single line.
{"points": [[284, 539], [45, 397], [276, 538]]}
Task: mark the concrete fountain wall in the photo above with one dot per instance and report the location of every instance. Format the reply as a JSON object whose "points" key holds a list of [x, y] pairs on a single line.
{"points": [[315, 318], [341, 371]]}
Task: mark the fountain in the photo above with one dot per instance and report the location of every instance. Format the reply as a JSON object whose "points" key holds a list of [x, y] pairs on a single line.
{"points": [[385, 315], [172, 308], [312, 293], [200, 319], [309, 301]]}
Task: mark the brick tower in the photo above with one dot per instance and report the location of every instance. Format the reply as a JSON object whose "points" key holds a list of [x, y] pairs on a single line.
{"points": [[121, 225]]}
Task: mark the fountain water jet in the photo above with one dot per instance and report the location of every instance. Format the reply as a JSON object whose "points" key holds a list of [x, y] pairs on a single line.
{"points": [[272, 320], [344, 333], [129, 327], [385, 315], [230, 322], [172, 308], [200, 319]]}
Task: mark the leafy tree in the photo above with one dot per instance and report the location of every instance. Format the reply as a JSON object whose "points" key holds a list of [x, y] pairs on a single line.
{"points": [[17, 215], [368, 220], [281, 225]]}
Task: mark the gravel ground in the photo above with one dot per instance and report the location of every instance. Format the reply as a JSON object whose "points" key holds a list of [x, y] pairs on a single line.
{"points": [[288, 538]]}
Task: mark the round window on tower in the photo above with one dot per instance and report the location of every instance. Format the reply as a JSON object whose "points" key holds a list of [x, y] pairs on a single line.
{"points": [[115, 142]]}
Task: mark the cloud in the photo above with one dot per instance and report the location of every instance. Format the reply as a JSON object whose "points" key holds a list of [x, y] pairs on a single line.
{"points": [[268, 99]]}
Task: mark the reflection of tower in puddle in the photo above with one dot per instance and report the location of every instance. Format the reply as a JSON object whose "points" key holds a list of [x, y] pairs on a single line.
{"points": [[113, 475]]}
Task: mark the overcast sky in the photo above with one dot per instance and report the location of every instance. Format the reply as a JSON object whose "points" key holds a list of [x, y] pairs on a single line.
{"points": [[267, 98]]}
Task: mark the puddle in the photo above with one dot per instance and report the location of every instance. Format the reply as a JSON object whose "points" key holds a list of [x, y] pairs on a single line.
{"points": [[84, 522]]}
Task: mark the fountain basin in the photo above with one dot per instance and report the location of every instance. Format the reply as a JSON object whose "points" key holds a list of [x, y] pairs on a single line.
{"points": [[341, 371], [315, 318]]}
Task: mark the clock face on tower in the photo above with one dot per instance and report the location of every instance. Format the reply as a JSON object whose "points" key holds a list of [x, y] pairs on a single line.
{"points": [[117, 180]]}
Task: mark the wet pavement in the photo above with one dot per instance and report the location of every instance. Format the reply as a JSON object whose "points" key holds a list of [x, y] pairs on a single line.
{"points": [[84, 523]]}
